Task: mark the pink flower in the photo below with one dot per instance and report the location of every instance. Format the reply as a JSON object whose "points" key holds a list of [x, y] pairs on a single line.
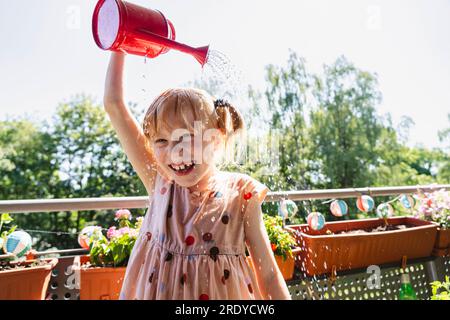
{"points": [[435, 206], [133, 233], [123, 214], [126, 230], [112, 232]]}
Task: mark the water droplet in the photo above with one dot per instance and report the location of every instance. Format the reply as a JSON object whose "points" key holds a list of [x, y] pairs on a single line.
{"points": [[224, 75]]}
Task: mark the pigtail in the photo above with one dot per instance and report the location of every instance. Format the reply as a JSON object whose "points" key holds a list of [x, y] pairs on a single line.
{"points": [[230, 119]]}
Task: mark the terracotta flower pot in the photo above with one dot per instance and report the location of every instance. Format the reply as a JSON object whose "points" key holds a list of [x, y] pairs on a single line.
{"points": [[100, 283], [28, 283], [442, 244], [323, 253], [286, 266]]}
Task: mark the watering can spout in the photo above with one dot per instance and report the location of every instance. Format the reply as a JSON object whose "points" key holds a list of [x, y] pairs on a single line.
{"points": [[201, 54]]}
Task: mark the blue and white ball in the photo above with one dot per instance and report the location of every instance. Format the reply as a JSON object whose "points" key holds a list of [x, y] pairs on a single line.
{"points": [[316, 221], [287, 209], [18, 243], [338, 208], [365, 203], [407, 201], [385, 210]]}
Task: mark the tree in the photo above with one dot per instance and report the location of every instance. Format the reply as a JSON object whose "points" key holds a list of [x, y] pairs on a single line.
{"points": [[89, 157], [90, 161], [345, 127], [331, 133], [76, 155], [284, 109], [26, 163], [27, 168]]}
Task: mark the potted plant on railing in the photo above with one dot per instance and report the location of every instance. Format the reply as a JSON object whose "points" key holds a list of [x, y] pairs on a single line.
{"points": [[21, 278], [103, 270], [356, 244], [283, 245], [435, 206]]}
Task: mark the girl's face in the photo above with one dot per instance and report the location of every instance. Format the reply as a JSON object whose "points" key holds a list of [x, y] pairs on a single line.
{"points": [[185, 155]]}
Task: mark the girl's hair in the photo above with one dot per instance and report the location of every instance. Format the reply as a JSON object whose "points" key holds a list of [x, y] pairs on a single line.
{"points": [[213, 114]]}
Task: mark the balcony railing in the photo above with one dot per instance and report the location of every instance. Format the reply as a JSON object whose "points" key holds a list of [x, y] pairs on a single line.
{"points": [[74, 204]]}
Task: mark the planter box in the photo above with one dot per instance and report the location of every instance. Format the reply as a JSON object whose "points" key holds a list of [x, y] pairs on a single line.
{"points": [[100, 283], [286, 266], [322, 253], [442, 244], [26, 284]]}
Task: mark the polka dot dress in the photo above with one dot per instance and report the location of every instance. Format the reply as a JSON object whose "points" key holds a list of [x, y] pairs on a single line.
{"points": [[191, 244]]}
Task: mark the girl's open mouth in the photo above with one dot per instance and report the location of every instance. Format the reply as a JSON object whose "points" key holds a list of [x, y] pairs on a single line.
{"points": [[183, 169]]}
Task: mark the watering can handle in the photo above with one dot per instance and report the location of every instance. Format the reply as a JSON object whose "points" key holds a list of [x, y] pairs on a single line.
{"points": [[172, 30]]}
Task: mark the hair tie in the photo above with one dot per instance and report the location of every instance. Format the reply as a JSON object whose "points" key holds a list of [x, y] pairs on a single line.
{"points": [[221, 103]]}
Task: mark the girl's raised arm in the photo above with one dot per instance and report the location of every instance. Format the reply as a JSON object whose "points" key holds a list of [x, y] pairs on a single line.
{"points": [[129, 132]]}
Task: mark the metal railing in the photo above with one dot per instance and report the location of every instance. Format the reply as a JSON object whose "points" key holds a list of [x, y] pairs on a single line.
{"points": [[74, 204]]}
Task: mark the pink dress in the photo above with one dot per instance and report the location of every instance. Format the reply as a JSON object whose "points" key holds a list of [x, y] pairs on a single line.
{"points": [[192, 245]]}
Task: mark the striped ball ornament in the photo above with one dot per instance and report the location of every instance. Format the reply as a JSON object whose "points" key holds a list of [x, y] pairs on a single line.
{"points": [[338, 208], [316, 221], [287, 209], [365, 203], [385, 210], [407, 201], [18, 243], [85, 235]]}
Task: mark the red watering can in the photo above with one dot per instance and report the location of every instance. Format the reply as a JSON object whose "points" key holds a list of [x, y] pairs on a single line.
{"points": [[122, 26]]}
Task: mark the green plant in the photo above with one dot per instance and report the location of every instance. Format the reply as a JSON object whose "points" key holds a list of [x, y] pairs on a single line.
{"points": [[441, 290], [281, 240], [5, 218], [115, 249]]}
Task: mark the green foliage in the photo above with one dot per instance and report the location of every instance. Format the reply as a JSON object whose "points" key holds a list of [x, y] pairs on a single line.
{"points": [[5, 218], [281, 240], [441, 290], [112, 253], [332, 135], [345, 127], [89, 156], [76, 155], [116, 250], [26, 166]]}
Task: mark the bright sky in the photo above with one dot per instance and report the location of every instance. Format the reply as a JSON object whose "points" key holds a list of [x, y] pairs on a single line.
{"points": [[48, 53]]}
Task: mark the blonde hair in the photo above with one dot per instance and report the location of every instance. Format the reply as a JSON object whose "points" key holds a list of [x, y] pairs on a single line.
{"points": [[183, 101]]}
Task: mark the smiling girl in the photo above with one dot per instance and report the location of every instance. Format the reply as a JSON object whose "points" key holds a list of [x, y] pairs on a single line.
{"points": [[200, 219]]}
